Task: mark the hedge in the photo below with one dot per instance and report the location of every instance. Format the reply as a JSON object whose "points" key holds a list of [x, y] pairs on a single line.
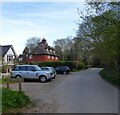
{"points": [[73, 65]]}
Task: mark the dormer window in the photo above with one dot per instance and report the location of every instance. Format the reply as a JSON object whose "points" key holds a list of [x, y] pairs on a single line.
{"points": [[53, 51], [50, 50]]}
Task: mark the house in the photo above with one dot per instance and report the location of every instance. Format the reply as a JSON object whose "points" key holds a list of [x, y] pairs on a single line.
{"points": [[8, 57], [42, 53]]}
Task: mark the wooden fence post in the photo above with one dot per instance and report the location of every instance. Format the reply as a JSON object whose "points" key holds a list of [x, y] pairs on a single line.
{"points": [[19, 83], [7, 83]]}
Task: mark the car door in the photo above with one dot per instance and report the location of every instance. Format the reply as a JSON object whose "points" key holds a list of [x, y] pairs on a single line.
{"points": [[22, 71], [31, 73]]}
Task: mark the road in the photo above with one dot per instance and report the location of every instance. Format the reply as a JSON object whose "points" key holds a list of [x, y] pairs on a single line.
{"points": [[85, 92], [78, 92]]}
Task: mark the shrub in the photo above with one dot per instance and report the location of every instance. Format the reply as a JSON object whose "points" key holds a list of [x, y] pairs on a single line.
{"points": [[73, 65], [4, 69], [0, 69], [111, 76]]}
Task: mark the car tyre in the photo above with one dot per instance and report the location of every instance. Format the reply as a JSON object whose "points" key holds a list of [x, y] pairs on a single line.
{"points": [[18, 76], [43, 79], [65, 72], [54, 77]]}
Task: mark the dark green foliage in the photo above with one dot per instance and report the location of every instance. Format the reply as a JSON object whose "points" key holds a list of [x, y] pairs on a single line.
{"points": [[13, 99], [4, 69], [73, 65], [111, 76], [96, 62]]}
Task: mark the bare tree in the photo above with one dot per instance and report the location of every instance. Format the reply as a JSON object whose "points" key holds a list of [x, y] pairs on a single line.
{"points": [[32, 42]]}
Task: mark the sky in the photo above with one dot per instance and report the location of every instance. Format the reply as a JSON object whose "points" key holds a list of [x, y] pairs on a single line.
{"points": [[51, 20]]}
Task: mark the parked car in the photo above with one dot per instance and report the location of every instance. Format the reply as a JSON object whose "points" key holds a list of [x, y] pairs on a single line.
{"points": [[51, 70], [62, 69], [30, 72]]}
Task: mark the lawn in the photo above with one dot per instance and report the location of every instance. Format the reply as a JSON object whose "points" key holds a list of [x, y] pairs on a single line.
{"points": [[13, 99]]}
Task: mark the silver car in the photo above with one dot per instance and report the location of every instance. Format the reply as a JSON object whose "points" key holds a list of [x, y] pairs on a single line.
{"points": [[30, 72], [51, 70]]}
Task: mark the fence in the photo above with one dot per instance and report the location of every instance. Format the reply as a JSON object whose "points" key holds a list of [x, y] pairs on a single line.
{"points": [[7, 81]]}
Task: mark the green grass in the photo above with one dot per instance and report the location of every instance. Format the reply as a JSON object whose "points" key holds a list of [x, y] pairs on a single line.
{"points": [[110, 76], [13, 99]]}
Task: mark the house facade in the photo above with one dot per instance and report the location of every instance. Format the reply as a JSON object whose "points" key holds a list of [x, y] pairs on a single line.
{"points": [[42, 53], [8, 57]]}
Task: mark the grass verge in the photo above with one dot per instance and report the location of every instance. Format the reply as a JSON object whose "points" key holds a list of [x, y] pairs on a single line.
{"points": [[110, 76], [13, 99]]}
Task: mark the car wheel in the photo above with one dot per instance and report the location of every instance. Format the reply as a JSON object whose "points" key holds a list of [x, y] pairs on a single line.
{"points": [[65, 72], [43, 79], [54, 77], [18, 76]]}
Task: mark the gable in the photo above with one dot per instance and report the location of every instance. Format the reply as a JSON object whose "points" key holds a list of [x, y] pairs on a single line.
{"points": [[5, 49], [8, 50]]}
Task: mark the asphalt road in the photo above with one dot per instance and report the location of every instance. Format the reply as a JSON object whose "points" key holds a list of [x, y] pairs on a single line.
{"points": [[78, 92], [85, 92]]}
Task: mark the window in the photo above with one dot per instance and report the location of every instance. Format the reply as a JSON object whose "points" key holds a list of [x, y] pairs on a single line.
{"points": [[20, 59], [52, 57], [30, 68], [30, 56], [48, 57], [22, 68], [56, 58], [15, 68], [46, 69], [9, 58]]}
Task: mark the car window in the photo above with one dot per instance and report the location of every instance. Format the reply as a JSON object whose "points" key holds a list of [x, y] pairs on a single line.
{"points": [[57, 68], [45, 69], [37, 68], [22, 68], [15, 68], [30, 68]]}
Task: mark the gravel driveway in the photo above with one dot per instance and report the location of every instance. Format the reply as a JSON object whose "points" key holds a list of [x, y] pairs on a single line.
{"points": [[38, 93]]}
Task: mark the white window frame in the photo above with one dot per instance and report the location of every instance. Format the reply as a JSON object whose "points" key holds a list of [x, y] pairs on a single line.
{"points": [[30, 56], [48, 56], [9, 58]]}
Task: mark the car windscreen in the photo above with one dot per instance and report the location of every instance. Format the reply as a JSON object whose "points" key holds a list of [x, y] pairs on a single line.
{"points": [[37, 68]]}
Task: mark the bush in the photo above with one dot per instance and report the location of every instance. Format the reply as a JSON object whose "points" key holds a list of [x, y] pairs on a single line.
{"points": [[73, 65], [13, 99], [111, 76], [4, 69], [0, 69]]}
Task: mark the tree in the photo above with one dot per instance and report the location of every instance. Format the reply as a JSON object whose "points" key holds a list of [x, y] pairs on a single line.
{"points": [[31, 43], [63, 48], [100, 32]]}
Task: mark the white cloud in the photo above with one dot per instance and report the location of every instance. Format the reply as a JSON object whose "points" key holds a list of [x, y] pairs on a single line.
{"points": [[51, 24]]}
